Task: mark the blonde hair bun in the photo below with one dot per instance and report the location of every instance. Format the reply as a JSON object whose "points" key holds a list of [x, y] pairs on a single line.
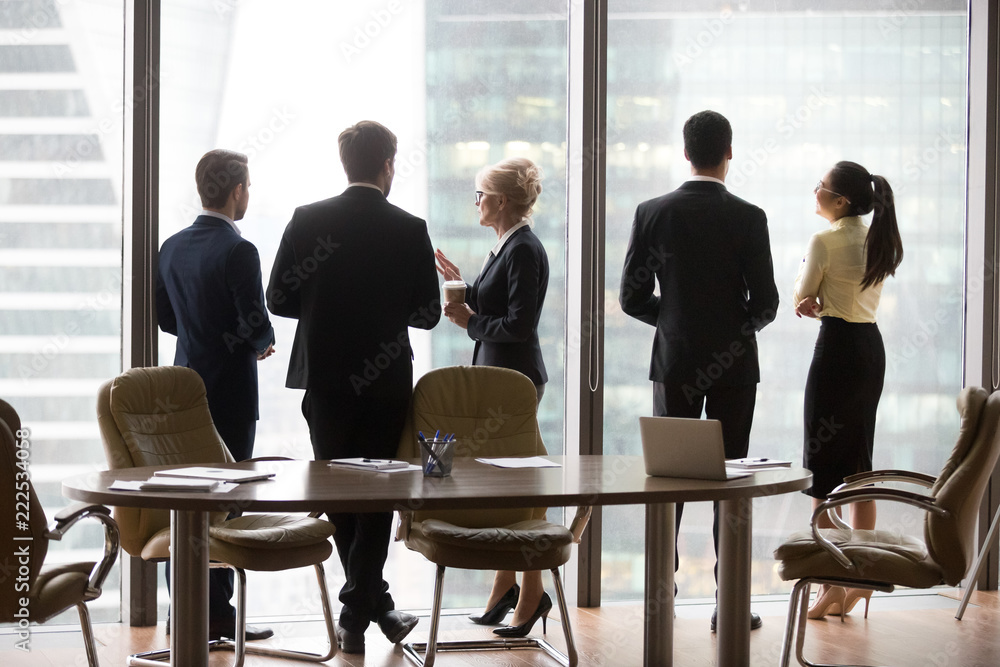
{"points": [[518, 179]]}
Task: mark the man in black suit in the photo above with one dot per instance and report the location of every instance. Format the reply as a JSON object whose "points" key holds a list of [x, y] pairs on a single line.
{"points": [[356, 271], [709, 250], [209, 295]]}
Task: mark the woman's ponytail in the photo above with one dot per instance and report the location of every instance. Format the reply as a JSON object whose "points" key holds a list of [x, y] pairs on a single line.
{"points": [[883, 247]]}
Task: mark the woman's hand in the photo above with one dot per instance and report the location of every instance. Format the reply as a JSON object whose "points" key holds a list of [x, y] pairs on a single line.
{"points": [[809, 307], [445, 267], [459, 313]]}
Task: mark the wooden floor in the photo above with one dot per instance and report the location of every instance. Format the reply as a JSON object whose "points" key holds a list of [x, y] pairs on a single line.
{"points": [[908, 631]]}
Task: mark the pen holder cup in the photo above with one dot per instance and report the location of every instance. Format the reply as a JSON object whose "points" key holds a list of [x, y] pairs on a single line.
{"points": [[436, 457]]}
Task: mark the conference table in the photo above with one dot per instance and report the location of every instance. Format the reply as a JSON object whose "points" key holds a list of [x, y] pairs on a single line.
{"points": [[308, 486]]}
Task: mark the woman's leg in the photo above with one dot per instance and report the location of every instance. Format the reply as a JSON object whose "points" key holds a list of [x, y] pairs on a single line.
{"points": [[502, 582], [531, 595]]}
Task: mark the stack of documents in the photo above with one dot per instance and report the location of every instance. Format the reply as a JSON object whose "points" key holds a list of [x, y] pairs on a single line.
{"points": [[755, 463], [197, 478]]}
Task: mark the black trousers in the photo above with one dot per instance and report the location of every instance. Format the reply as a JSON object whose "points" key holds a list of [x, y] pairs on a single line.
{"points": [[733, 406], [239, 435], [842, 396], [345, 426]]}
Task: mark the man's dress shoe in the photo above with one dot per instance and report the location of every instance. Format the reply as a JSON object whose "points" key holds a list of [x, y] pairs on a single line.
{"points": [[227, 629], [395, 625], [350, 642], [755, 621]]}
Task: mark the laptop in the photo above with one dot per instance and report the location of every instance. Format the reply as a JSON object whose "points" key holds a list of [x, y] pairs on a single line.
{"points": [[690, 448]]}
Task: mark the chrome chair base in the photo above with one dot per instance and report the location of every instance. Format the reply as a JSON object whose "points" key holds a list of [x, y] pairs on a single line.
{"points": [[412, 651], [798, 605], [239, 645]]}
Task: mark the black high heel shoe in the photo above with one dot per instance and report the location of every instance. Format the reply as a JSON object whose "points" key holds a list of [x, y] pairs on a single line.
{"points": [[496, 613], [544, 607]]}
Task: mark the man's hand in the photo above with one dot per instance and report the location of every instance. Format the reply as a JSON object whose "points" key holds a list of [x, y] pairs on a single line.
{"points": [[266, 353]]}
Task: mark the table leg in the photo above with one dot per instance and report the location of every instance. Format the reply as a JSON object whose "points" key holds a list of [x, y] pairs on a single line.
{"points": [[189, 588], [658, 601], [735, 529]]}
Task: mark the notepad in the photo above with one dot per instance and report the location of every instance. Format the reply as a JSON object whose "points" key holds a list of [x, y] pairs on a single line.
{"points": [[219, 474], [372, 464]]}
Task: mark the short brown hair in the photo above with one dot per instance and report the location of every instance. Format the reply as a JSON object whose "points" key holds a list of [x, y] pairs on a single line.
{"points": [[364, 148], [218, 172]]}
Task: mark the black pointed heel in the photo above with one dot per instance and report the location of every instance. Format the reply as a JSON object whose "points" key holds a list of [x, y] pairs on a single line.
{"points": [[544, 607], [497, 612]]}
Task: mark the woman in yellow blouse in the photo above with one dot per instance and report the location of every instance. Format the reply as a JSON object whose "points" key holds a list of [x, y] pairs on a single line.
{"points": [[840, 282]]}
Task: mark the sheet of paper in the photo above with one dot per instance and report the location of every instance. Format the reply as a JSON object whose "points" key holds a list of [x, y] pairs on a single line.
{"points": [[520, 462]]}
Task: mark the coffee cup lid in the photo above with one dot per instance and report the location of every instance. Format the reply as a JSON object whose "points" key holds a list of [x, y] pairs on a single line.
{"points": [[453, 284]]}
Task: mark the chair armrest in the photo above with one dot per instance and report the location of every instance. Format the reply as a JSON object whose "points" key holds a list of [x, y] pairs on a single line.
{"points": [[866, 479], [876, 476], [849, 496], [68, 517], [257, 459], [403, 529], [580, 522]]}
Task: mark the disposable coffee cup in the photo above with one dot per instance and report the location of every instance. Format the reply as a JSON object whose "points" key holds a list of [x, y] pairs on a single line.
{"points": [[454, 291], [436, 457]]}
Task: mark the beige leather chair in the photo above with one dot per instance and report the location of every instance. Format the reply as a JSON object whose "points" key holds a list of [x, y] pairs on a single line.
{"points": [[492, 412], [53, 588], [160, 416], [882, 559]]}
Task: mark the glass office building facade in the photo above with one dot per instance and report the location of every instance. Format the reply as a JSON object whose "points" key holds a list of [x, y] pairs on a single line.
{"points": [[464, 85], [61, 242]]}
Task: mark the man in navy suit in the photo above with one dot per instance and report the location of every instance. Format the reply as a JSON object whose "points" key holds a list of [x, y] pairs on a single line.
{"points": [[356, 271], [209, 295], [709, 250]]}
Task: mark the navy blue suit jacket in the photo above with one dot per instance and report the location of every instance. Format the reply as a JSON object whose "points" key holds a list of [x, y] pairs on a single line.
{"points": [[507, 298], [709, 250], [209, 294], [355, 271]]}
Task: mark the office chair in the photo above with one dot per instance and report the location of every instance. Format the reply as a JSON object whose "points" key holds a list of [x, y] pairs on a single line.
{"points": [[492, 412], [48, 589], [880, 559], [160, 416]]}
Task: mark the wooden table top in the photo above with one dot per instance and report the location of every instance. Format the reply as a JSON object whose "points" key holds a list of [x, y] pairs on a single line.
{"points": [[314, 485]]}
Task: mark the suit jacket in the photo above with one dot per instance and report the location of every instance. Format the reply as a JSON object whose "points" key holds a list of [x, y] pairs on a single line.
{"points": [[355, 271], [507, 298], [709, 250], [208, 294]]}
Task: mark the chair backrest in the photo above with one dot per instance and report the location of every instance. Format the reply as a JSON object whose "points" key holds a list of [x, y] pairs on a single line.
{"points": [[492, 411], [155, 416], [951, 540], [23, 518]]}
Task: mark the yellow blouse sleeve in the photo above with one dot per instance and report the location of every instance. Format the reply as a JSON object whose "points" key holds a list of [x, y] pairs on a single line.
{"points": [[812, 270]]}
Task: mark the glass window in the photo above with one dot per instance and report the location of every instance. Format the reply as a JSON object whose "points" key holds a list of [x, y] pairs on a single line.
{"points": [[803, 89], [461, 85], [61, 243]]}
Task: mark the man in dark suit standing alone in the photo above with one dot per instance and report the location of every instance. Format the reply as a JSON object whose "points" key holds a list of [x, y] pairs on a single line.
{"points": [[209, 295], [709, 250], [356, 271]]}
